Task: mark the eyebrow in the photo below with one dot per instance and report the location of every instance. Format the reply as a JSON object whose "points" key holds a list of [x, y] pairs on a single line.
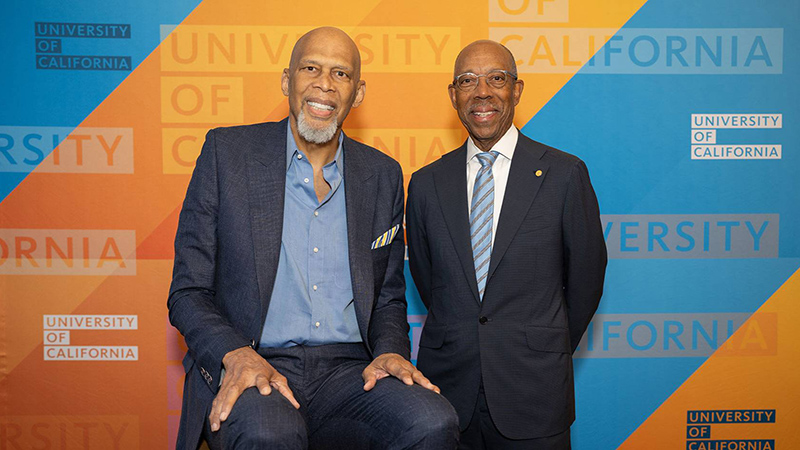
{"points": [[317, 63], [494, 69]]}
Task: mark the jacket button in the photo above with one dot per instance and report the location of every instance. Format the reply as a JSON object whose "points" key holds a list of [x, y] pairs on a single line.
{"points": [[483, 320]]}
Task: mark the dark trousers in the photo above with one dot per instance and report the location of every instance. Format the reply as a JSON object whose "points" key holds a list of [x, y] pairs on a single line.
{"points": [[482, 434], [335, 411]]}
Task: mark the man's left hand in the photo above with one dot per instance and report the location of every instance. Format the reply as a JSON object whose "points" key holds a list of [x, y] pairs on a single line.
{"points": [[395, 365]]}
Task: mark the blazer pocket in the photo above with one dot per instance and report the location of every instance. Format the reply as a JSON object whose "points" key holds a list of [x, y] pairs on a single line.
{"points": [[381, 252], [548, 339], [380, 260], [432, 336], [536, 228]]}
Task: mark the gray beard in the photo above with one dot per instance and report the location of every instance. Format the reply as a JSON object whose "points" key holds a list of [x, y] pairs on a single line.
{"points": [[314, 135]]}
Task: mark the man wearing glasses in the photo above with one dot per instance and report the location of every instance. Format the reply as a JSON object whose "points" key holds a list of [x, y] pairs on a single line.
{"points": [[507, 251]]}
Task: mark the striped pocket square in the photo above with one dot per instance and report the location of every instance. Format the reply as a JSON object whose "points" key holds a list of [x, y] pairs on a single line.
{"points": [[386, 238]]}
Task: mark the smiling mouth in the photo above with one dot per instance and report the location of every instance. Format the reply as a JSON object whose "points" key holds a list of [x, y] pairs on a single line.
{"points": [[484, 116], [321, 107]]}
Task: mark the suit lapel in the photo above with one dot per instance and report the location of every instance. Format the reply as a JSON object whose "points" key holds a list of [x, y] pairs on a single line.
{"points": [[521, 189], [266, 182], [451, 188], [360, 194]]}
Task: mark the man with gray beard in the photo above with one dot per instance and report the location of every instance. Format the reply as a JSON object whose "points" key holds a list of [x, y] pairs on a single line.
{"points": [[313, 135], [288, 277]]}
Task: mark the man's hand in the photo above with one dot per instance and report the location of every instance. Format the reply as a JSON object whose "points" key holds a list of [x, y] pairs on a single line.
{"points": [[396, 366], [245, 368]]}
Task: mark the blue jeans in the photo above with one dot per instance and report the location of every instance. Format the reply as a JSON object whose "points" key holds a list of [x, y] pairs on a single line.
{"points": [[335, 411]]}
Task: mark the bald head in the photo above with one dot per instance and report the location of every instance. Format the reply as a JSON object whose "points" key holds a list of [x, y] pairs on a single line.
{"points": [[485, 47], [327, 37]]}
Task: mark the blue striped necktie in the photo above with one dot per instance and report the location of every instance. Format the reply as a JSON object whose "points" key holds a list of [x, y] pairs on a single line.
{"points": [[480, 218]]}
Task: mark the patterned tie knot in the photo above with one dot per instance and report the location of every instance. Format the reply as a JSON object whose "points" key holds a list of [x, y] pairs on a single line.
{"points": [[487, 158]]}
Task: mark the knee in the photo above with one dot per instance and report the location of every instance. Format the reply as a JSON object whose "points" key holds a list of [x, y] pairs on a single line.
{"points": [[438, 418], [290, 436], [258, 422], [435, 424]]}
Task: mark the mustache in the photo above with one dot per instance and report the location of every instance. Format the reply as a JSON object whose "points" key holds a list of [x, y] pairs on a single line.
{"points": [[482, 105]]}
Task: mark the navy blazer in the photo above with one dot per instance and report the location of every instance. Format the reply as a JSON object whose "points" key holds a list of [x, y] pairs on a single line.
{"points": [[544, 284], [228, 245]]}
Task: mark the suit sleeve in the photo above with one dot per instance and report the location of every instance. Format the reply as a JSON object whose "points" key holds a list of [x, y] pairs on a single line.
{"points": [[388, 331], [584, 253], [419, 256], [192, 310]]}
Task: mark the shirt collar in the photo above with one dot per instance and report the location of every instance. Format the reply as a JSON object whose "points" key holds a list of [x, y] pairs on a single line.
{"points": [[505, 146], [292, 150]]}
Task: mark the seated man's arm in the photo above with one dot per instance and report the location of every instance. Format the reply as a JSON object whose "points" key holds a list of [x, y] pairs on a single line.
{"points": [[419, 257], [388, 331], [192, 310], [212, 341]]}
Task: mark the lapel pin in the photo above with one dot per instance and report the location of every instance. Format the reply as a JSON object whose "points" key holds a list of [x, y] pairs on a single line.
{"points": [[538, 173]]}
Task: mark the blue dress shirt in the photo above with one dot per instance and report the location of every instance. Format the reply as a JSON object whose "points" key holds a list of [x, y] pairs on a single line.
{"points": [[312, 301]]}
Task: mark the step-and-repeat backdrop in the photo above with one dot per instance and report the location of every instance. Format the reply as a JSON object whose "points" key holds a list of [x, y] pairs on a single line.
{"points": [[686, 113]]}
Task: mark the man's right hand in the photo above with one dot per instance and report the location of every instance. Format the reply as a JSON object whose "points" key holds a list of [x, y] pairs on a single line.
{"points": [[244, 368]]}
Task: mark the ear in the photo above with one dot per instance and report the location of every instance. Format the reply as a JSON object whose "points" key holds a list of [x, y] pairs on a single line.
{"points": [[361, 91], [519, 85], [285, 82], [452, 91]]}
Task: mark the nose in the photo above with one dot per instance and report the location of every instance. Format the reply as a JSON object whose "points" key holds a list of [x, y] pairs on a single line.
{"points": [[483, 90], [325, 83]]}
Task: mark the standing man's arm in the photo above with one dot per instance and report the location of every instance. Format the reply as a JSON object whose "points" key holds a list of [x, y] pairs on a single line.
{"points": [[584, 253], [419, 256], [388, 331], [212, 341]]}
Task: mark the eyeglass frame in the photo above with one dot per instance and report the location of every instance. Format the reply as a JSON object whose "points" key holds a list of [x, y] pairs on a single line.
{"points": [[455, 85]]}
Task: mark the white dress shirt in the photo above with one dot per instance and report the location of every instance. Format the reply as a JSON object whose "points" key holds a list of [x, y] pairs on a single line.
{"points": [[505, 146]]}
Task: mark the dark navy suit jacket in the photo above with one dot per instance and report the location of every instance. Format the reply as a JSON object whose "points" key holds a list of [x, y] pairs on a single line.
{"points": [[545, 281], [228, 245]]}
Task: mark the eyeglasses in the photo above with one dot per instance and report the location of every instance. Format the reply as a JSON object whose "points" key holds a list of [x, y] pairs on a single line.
{"points": [[468, 81]]}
